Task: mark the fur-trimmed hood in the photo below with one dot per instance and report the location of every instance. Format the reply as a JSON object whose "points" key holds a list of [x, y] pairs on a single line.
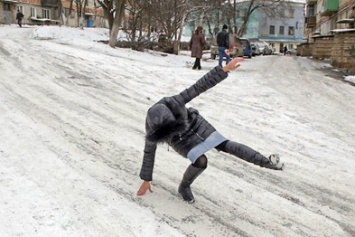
{"points": [[165, 119]]}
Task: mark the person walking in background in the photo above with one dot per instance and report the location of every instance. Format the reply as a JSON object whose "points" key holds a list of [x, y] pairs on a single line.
{"points": [[19, 17], [191, 135], [223, 45], [197, 43], [285, 50]]}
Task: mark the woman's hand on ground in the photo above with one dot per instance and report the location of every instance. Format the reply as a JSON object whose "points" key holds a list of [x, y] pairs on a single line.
{"points": [[145, 186]]}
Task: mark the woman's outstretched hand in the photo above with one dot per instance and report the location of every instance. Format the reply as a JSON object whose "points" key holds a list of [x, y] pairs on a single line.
{"points": [[144, 188], [234, 64]]}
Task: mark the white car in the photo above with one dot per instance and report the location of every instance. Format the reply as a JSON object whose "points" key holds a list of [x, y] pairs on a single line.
{"points": [[264, 48]]}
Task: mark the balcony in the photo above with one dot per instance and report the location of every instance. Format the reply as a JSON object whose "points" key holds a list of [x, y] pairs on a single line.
{"points": [[50, 3], [311, 21], [330, 7]]}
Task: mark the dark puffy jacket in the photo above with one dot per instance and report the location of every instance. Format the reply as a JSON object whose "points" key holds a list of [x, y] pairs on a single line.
{"points": [[19, 16], [169, 121], [223, 39]]}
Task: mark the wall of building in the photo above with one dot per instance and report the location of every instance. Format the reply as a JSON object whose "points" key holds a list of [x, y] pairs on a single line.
{"points": [[305, 49], [346, 11], [343, 51], [325, 24], [36, 17], [94, 16], [333, 40], [344, 3], [322, 47], [8, 12], [279, 40], [2, 15]]}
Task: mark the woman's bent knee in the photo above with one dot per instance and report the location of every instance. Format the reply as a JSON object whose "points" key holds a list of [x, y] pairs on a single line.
{"points": [[201, 162]]}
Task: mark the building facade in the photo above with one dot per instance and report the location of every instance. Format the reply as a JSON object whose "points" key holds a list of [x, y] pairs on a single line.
{"points": [[51, 12], [330, 32], [324, 16], [284, 29], [8, 10]]}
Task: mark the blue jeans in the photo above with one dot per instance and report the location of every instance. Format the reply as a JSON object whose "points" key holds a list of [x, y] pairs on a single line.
{"points": [[222, 53]]}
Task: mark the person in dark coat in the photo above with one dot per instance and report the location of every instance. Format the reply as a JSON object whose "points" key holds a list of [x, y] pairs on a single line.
{"points": [[19, 17], [223, 45], [197, 43], [285, 50], [191, 135]]}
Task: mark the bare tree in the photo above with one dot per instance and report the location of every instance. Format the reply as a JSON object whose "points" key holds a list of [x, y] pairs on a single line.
{"points": [[119, 13], [80, 12], [171, 15], [69, 13], [167, 14], [215, 11], [108, 9], [61, 12], [95, 14], [138, 11]]}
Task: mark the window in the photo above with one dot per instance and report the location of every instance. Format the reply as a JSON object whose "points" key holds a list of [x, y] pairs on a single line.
{"points": [[272, 30], [292, 13], [6, 6], [45, 14], [282, 30], [20, 8], [310, 10], [282, 13], [291, 30], [33, 12]]}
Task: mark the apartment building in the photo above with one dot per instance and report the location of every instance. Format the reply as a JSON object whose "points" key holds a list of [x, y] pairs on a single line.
{"points": [[324, 16], [330, 32], [284, 29], [51, 12]]}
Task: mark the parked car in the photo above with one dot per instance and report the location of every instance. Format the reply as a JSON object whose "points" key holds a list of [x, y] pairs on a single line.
{"points": [[292, 52], [247, 47], [264, 48], [235, 47], [255, 51], [267, 50], [261, 46]]}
